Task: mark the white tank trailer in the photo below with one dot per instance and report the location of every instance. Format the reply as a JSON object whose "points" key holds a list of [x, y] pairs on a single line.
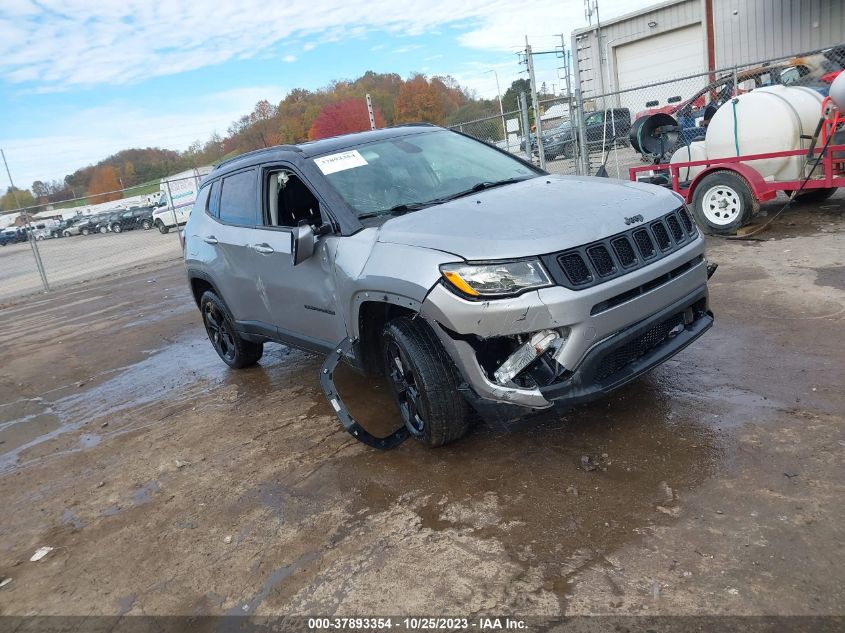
{"points": [[770, 119]]}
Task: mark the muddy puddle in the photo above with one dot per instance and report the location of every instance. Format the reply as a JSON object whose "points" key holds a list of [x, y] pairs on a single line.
{"points": [[125, 398]]}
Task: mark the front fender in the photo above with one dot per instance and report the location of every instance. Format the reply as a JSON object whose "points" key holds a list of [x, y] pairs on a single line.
{"points": [[368, 270]]}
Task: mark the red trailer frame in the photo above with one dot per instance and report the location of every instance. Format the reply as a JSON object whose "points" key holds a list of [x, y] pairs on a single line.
{"points": [[832, 173]]}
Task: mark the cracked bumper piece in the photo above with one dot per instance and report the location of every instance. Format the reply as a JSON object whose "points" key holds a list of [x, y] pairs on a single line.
{"points": [[616, 359]]}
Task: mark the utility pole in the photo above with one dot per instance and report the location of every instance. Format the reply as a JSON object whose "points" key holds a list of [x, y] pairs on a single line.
{"points": [[38, 263], [501, 109], [529, 60], [370, 112]]}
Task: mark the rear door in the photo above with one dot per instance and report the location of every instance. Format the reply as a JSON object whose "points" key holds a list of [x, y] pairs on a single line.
{"points": [[233, 204]]}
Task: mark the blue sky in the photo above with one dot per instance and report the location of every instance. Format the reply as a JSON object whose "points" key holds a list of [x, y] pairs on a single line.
{"points": [[80, 80]]}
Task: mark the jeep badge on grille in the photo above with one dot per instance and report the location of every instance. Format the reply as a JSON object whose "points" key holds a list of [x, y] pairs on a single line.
{"points": [[634, 219]]}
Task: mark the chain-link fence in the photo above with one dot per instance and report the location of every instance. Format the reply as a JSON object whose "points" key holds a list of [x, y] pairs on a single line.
{"points": [[582, 136], [83, 239]]}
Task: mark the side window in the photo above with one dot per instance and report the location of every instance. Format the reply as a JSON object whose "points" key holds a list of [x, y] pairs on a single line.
{"points": [[201, 204], [214, 200], [290, 202], [238, 199]]}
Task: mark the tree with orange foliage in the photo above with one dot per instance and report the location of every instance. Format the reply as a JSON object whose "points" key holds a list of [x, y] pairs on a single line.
{"points": [[419, 101], [104, 180], [343, 117]]}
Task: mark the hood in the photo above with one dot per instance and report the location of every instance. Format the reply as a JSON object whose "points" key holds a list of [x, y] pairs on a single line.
{"points": [[538, 216]]}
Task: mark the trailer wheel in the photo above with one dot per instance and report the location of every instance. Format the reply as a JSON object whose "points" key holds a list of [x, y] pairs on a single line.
{"points": [[424, 383], [722, 203], [813, 195]]}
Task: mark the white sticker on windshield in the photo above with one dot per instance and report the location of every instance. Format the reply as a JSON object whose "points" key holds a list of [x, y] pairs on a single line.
{"points": [[340, 162]]}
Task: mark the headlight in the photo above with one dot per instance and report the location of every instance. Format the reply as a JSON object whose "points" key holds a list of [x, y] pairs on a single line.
{"points": [[495, 280]]}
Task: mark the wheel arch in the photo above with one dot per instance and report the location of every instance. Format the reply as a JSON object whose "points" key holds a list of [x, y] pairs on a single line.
{"points": [[755, 181], [369, 320], [200, 283]]}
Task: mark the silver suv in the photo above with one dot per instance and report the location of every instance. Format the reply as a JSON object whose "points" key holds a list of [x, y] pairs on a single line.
{"points": [[470, 278]]}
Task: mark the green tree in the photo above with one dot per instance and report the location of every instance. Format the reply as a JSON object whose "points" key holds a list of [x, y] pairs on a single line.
{"points": [[510, 100], [15, 198]]}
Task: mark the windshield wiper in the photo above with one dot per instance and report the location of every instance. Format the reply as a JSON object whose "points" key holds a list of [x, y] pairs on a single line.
{"points": [[398, 209], [481, 186]]}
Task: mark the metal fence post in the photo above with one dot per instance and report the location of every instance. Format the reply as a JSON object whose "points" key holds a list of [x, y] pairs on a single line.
{"points": [[533, 83], [370, 113], [583, 148], [35, 253], [526, 129]]}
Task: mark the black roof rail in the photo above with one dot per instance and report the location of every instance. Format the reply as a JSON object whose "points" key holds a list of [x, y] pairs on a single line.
{"points": [[290, 148], [415, 124]]}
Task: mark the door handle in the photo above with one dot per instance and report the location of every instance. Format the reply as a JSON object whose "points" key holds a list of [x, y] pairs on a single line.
{"points": [[264, 249], [210, 239]]}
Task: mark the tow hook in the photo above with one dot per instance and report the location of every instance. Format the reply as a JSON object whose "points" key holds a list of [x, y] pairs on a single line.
{"points": [[352, 427], [711, 268]]}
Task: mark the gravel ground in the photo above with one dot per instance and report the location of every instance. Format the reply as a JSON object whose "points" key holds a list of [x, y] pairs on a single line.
{"points": [[168, 484]]}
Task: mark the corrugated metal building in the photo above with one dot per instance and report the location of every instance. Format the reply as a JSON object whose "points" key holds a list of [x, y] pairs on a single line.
{"points": [[681, 37]]}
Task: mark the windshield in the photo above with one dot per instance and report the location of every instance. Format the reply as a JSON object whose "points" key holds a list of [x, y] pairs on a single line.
{"points": [[414, 171]]}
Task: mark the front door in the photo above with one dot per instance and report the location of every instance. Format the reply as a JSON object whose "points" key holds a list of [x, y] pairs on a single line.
{"points": [[299, 300]]}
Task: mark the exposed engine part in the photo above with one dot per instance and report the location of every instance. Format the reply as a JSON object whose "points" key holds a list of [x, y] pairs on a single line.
{"points": [[352, 427], [524, 355]]}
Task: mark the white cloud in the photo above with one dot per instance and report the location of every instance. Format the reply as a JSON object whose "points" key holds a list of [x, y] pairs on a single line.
{"points": [[289, 58], [65, 43], [102, 131]]}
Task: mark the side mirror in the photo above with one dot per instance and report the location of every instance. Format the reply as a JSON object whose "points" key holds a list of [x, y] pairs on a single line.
{"points": [[303, 242]]}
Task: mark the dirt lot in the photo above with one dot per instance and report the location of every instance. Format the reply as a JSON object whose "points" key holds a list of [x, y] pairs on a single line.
{"points": [[82, 258], [168, 484]]}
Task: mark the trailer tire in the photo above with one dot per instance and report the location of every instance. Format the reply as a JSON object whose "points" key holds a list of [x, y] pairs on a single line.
{"points": [[722, 203], [164, 230], [424, 383], [813, 195]]}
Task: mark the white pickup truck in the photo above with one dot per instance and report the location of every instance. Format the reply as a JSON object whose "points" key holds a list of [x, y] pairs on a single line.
{"points": [[177, 196]]}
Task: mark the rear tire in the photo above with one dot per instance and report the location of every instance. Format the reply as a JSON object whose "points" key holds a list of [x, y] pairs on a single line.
{"points": [[104, 229], [116, 228], [85, 231], [220, 327], [66, 233], [569, 150], [424, 382], [722, 203]]}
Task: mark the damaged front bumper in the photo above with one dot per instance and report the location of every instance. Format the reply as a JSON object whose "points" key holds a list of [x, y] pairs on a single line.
{"points": [[603, 337]]}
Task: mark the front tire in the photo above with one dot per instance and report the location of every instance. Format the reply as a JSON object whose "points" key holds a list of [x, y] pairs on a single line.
{"points": [[116, 228], [220, 327], [569, 150], [66, 233], [146, 225], [424, 382], [164, 230], [723, 203]]}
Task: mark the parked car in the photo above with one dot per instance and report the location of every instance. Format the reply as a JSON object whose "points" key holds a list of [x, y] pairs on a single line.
{"points": [[74, 226], [89, 224], [815, 71], [133, 218], [465, 275], [604, 129], [12, 235]]}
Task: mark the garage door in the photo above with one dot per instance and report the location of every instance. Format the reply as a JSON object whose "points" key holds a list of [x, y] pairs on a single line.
{"points": [[673, 54]]}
